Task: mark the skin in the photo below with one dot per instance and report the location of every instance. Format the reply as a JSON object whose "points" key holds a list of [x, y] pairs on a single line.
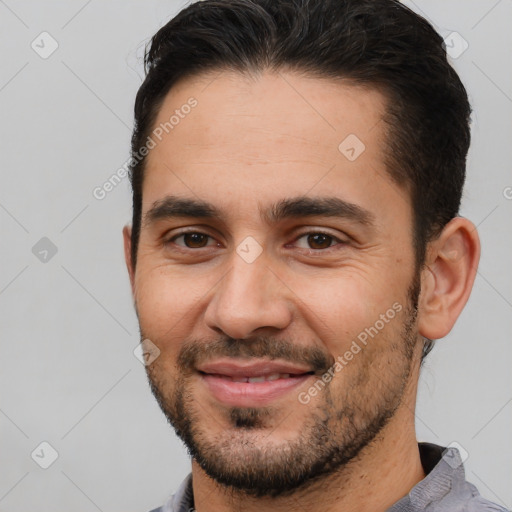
{"points": [[251, 142]]}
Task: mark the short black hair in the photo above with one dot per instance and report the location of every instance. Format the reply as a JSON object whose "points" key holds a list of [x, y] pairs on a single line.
{"points": [[375, 43]]}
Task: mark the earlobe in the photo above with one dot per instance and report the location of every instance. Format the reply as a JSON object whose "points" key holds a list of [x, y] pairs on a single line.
{"points": [[127, 239], [448, 277]]}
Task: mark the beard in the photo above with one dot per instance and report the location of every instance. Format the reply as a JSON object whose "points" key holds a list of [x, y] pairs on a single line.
{"points": [[243, 456]]}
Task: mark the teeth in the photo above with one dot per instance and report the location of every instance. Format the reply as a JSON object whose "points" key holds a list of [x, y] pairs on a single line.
{"points": [[261, 378], [256, 379]]}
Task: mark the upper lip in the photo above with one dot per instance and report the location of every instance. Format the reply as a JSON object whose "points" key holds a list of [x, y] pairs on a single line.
{"points": [[251, 368]]}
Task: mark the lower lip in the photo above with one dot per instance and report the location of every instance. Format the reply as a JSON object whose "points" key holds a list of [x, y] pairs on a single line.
{"points": [[250, 394]]}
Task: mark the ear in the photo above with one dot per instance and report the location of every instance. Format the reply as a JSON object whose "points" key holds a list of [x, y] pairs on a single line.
{"points": [[127, 238], [447, 277]]}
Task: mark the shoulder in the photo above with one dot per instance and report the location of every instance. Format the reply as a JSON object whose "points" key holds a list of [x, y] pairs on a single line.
{"points": [[466, 498], [480, 504], [445, 487]]}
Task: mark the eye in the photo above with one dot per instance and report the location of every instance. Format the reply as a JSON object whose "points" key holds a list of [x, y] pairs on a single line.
{"points": [[311, 240], [317, 240], [192, 240]]}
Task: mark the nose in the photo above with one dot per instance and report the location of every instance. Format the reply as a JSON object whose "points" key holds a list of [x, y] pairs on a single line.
{"points": [[250, 296]]}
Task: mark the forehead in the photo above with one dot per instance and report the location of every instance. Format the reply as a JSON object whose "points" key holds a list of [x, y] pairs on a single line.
{"points": [[227, 136], [271, 107]]}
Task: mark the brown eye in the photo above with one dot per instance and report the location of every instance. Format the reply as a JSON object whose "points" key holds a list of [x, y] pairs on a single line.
{"points": [[195, 240], [191, 240], [319, 241]]}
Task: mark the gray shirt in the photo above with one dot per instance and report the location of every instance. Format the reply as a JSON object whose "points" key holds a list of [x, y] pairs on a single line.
{"points": [[444, 489]]}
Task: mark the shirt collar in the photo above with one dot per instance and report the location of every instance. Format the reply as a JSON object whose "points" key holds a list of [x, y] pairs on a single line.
{"points": [[445, 480]]}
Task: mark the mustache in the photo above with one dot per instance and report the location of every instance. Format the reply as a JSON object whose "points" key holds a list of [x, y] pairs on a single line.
{"points": [[194, 353]]}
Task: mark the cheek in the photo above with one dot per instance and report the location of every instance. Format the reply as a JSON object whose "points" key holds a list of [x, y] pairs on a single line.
{"points": [[163, 304], [347, 309]]}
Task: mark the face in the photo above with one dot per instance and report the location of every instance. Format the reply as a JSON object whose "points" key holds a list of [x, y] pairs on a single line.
{"points": [[276, 276]]}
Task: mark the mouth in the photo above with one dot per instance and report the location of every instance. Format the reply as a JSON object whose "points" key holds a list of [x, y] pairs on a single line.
{"points": [[251, 383], [259, 378]]}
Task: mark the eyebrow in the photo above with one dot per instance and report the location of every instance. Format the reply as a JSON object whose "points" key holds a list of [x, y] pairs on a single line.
{"points": [[290, 208]]}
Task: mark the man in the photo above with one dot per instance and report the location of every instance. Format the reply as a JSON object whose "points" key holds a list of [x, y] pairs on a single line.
{"points": [[297, 170]]}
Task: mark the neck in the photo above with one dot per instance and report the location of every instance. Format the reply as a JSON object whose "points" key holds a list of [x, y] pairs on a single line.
{"points": [[384, 472]]}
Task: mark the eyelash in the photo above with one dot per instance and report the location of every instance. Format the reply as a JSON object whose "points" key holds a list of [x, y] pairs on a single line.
{"points": [[301, 235]]}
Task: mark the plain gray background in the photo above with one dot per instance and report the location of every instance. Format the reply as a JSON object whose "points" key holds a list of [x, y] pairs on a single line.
{"points": [[68, 374]]}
